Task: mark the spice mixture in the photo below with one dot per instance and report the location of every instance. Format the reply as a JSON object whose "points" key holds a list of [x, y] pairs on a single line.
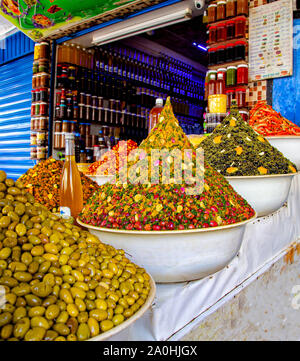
{"points": [[43, 181], [235, 149], [266, 121], [112, 160], [155, 206]]}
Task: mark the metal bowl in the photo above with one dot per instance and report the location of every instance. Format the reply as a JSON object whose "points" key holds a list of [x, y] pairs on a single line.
{"points": [[289, 146], [177, 256], [100, 179], [265, 193], [132, 319]]}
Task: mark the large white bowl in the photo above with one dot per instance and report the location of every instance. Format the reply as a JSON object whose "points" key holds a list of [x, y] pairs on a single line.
{"points": [[100, 179], [265, 193], [114, 331], [289, 146], [177, 256]]}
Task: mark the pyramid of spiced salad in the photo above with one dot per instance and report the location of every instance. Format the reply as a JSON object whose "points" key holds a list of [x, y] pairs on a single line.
{"points": [[168, 192], [235, 149]]}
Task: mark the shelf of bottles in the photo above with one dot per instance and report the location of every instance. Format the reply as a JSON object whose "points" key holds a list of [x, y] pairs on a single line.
{"points": [[111, 90]]}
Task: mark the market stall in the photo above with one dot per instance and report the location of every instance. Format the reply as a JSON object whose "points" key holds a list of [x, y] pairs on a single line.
{"points": [[140, 246]]}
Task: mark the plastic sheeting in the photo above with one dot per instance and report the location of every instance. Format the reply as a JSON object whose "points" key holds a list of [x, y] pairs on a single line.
{"points": [[178, 306]]}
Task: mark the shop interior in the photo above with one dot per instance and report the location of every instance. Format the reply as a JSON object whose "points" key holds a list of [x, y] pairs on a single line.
{"points": [[104, 93]]}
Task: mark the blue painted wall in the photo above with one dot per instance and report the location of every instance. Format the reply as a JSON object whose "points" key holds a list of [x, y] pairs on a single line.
{"points": [[286, 91]]}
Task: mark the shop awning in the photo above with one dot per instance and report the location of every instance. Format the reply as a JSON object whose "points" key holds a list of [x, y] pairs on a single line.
{"points": [[51, 19]]}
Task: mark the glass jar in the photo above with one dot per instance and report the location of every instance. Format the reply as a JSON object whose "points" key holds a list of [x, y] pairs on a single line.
{"points": [[41, 153], [57, 126], [223, 72], [212, 34], [33, 153], [240, 95], [212, 13], [43, 66], [43, 109], [34, 81], [221, 32], [42, 123], [242, 7], [245, 115], [43, 94], [229, 50], [44, 80], [240, 50], [242, 74], [33, 139], [211, 56], [240, 27], [231, 76], [220, 54], [44, 50], [221, 10], [35, 67], [230, 95], [230, 29], [41, 139], [230, 8]]}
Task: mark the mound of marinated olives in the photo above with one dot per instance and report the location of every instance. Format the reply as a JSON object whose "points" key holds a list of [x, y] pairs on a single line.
{"points": [[57, 281]]}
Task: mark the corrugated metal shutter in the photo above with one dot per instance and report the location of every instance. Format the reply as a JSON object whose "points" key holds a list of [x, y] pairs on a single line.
{"points": [[15, 104]]}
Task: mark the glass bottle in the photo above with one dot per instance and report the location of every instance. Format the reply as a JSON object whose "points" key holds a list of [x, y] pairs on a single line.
{"points": [[71, 195], [211, 85], [155, 113], [220, 84]]}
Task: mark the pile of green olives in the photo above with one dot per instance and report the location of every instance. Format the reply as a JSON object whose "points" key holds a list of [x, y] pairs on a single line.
{"points": [[57, 281]]}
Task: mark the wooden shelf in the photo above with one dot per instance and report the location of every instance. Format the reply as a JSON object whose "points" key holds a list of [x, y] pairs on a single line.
{"points": [[213, 45], [225, 65], [227, 19]]}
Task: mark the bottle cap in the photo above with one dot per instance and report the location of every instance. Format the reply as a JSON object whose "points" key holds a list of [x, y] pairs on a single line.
{"points": [[159, 101]]}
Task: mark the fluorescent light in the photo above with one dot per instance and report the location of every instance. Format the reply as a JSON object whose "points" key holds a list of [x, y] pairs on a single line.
{"points": [[200, 46], [140, 25]]}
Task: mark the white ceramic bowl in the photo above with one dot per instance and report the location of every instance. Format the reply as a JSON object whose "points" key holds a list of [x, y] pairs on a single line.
{"points": [[132, 319], [100, 179], [265, 193], [289, 146], [177, 256]]}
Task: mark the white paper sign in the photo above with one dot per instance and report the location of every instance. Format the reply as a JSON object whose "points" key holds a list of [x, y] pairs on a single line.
{"points": [[271, 40]]}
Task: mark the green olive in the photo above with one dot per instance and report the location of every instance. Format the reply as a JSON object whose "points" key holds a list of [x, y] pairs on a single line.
{"points": [[35, 334], [2, 176], [42, 289], [50, 335], [21, 327], [21, 229], [61, 329], [52, 312], [22, 289], [5, 318], [36, 311], [33, 300], [83, 332], [39, 321]]}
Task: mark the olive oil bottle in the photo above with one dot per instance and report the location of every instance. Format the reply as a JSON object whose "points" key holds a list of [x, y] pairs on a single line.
{"points": [[71, 195]]}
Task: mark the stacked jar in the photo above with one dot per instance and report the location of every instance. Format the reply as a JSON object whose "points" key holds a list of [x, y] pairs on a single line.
{"points": [[40, 101]]}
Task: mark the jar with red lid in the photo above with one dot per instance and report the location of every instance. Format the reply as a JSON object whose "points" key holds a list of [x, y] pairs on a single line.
{"points": [[240, 50], [212, 13], [222, 71], [221, 32], [242, 7], [240, 95], [220, 54], [43, 109], [240, 27], [230, 29], [242, 74], [229, 52], [211, 56], [230, 8], [221, 10], [33, 109], [230, 96], [212, 38]]}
